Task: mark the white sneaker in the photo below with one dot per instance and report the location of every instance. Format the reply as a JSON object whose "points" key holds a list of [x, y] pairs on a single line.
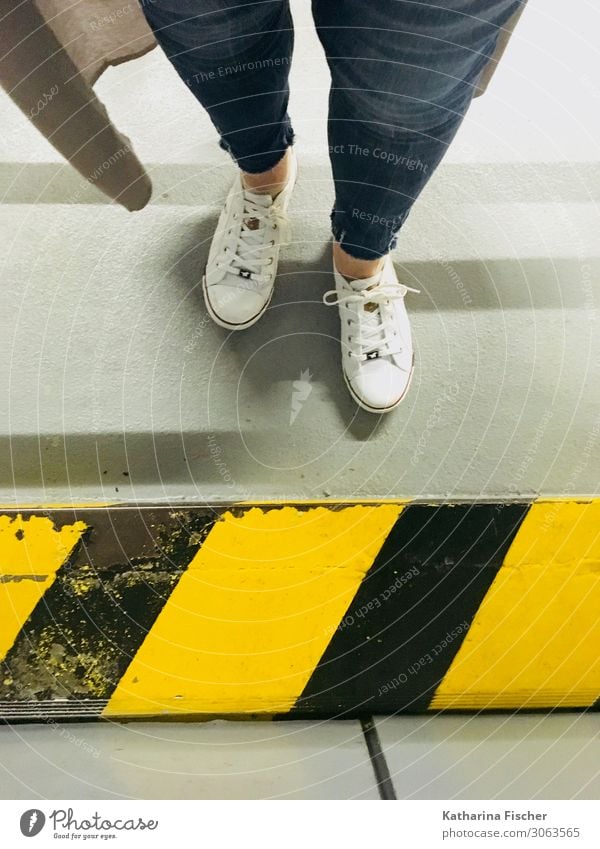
{"points": [[377, 351], [242, 261]]}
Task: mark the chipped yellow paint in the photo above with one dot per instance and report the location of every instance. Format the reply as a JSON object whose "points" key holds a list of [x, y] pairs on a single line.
{"points": [[249, 620], [535, 639], [31, 552]]}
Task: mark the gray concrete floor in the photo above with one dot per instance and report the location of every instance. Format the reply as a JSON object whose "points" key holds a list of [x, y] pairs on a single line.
{"points": [[466, 757], [493, 757], [108, 362]]}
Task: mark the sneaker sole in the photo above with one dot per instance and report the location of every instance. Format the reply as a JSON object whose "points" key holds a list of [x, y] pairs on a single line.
{"points": [[364, 406]]}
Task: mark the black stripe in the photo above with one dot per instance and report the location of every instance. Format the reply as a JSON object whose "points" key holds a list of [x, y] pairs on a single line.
{"points": [[84, 632], [412, 610]]}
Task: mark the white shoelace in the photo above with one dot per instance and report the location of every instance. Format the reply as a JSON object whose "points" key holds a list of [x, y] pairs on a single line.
{"points": [[374, 331], [252, 248]]}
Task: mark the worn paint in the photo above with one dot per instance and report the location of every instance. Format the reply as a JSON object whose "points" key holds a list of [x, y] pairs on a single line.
{"points": [[296, 609], [81, 637], [31, 552], [250, 618]]}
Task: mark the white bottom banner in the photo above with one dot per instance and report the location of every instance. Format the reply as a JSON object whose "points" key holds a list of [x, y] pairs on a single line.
{"points": [[283, 824]]}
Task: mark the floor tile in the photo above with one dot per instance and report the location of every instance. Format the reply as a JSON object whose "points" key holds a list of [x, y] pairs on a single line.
{"points": [[215, 760], [486, 757]]}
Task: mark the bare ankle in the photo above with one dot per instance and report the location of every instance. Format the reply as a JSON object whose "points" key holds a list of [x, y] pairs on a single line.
{"points": [[354, 268], [269, 182]]}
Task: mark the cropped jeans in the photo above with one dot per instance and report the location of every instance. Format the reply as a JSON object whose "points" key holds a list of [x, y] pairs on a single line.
{"points": [[403, 73]]}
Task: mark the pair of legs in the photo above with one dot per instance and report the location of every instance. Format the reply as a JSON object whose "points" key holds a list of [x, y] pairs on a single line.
{"points": [[403, 73]]}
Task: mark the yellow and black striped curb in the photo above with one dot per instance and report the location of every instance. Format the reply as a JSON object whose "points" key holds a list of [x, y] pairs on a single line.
{"points": [[298, 610]]}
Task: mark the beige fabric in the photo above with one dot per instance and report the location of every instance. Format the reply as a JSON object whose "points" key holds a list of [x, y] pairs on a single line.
{"points": [[488, 71], [52, 53], [98, 33], [47, 65]]}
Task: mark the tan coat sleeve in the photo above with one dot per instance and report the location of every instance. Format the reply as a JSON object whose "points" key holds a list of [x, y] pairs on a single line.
{"points": [[51, 82], [488, 71]]}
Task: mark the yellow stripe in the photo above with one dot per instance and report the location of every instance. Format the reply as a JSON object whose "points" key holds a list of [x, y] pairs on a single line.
{"points": [[31, 552], [251, 617], [534, 641]]}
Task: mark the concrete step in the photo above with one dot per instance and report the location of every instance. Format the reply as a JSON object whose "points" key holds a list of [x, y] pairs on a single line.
{"points": [[110, 364], [116, 386]]}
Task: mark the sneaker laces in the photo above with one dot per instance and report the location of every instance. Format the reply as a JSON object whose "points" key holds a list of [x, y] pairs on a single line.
{"points": [[251, 253], [376, 331]]}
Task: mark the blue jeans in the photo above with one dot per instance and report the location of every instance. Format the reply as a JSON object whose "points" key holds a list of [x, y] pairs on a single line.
{"points": [[403, 73]]}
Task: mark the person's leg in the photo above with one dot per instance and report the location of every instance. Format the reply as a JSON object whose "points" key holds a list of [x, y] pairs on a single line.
{"points": [[403, 75], [235, 58]]}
